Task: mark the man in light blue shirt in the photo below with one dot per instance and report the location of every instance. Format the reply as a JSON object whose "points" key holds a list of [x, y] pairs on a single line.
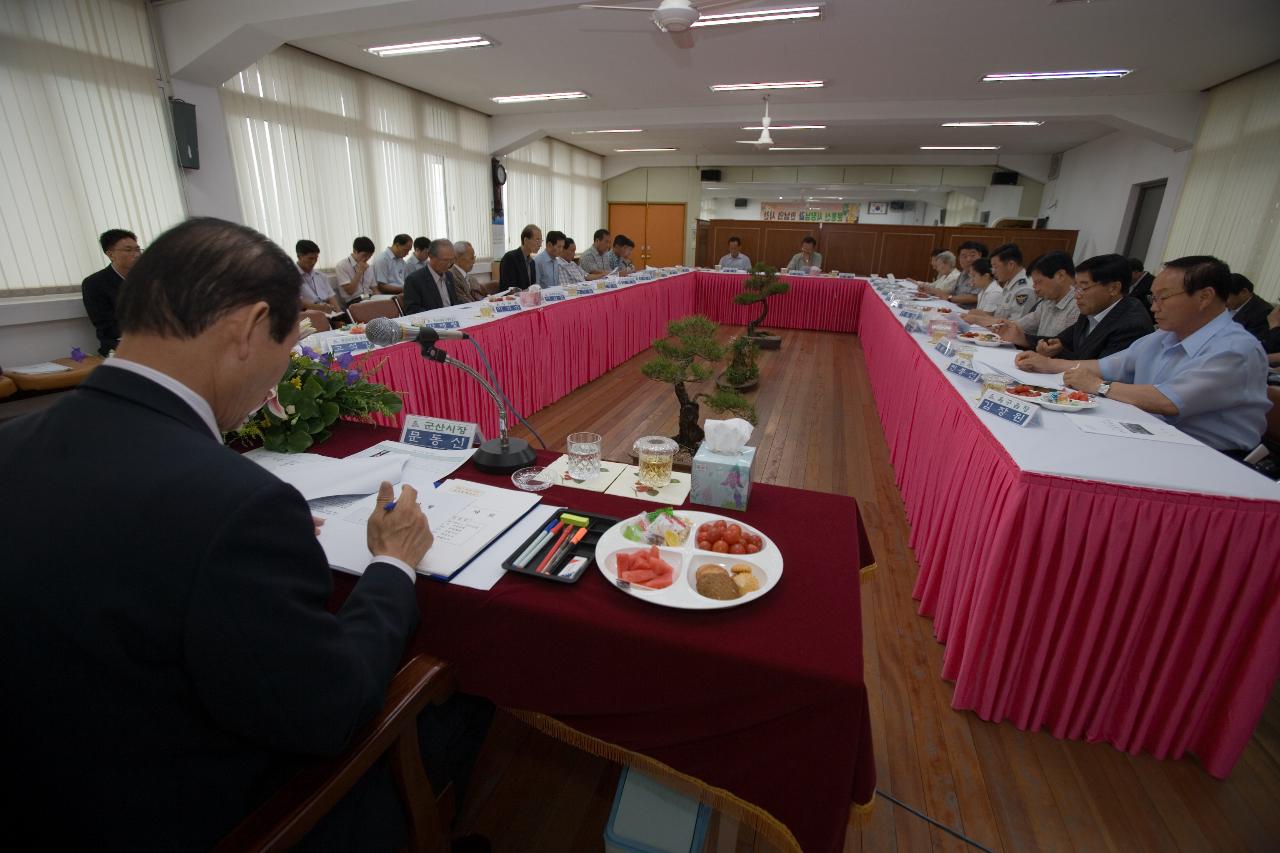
{"points": [[545, 261], [389, 268], [735, 260], [1200, 371], [417, 259]]}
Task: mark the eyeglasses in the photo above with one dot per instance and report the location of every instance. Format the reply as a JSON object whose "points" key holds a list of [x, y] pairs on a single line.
{"points": [[1078, 289], [1157, 298]]}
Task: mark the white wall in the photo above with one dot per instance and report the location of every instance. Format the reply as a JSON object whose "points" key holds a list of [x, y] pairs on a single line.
{"points": [[1002, 202], [41, 328], [893, 217], [211, 189], [1094, 191], [726, 210]]}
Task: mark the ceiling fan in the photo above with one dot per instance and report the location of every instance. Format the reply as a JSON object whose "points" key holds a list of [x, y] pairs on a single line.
{"points": [[673, 17], [765, 139]]}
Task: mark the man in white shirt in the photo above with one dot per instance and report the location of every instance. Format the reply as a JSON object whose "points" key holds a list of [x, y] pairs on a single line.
{"points": [[389, 267], [545, 261], [594, 261], [355, 277], [735, 260], [317, 293], [417, 259], [1019, 296], [567, 270], [1053, 280]]}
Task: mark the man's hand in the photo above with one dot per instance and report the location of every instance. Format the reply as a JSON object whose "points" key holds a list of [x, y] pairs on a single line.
{"points": [[1082, 380], [1050, 348], [1010, 332], [361, 266], [1034, 362], [979, 318], [318, 522], [401, 532]]}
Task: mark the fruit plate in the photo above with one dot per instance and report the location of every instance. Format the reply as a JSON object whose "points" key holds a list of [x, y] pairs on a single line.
{"points": [[685, 560], [1050, 402], [981, 339]]}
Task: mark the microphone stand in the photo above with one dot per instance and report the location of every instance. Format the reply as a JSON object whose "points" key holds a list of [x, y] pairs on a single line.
{"points": [[500, 455]]}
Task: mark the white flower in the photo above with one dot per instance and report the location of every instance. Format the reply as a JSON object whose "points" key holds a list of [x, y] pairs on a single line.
{"points": [[291, 410]]}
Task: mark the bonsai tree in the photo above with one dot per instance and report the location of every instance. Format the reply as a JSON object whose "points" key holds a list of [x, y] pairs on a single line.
{"points": [[743, 370], [686, 355], [759, 286]]}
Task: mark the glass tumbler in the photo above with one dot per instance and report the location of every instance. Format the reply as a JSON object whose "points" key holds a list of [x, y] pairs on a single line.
{"points": [[584, 455], [656, 454]]}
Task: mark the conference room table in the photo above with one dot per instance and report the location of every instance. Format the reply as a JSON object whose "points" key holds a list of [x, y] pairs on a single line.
{"points": [[759, 710], [1102, 588]]}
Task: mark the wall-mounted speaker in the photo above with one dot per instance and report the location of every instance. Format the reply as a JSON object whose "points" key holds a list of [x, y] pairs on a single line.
{"points": [[710, 176], [1004, 179], [184, 133], [897, 206], [739, 202]]}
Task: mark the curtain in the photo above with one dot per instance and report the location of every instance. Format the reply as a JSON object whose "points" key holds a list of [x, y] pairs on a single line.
{"points": [[1230, 203], [85, 142], [555, 186], [329, 153], [961, 208]]}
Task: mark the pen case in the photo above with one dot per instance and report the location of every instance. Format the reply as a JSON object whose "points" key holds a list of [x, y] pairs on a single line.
{"points": [[580, 559]]}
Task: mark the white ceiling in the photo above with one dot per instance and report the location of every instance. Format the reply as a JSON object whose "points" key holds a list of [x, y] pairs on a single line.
{"points": [[877, 56]]}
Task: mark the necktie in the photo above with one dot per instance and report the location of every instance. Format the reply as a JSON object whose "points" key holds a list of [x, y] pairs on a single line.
{"points": [[533, 272]]}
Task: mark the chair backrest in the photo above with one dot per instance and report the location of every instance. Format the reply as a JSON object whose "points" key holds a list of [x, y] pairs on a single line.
{"points": [[398, 299], [319, 321], [363, 312], [1273, 415]]}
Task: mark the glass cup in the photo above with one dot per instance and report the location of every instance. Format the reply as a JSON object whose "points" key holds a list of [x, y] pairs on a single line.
{"points": [[486, 310], [656, 454], [964, 355], [993, 382], [584, 455]]}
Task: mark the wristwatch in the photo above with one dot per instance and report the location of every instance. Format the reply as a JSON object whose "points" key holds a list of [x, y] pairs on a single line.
{"points": [[1103, 389]]}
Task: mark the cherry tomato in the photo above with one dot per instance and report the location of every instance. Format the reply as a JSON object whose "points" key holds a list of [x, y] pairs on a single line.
{"points": [[737, 548], [704, 544], [750, 548], [720, 547], [733, 534]]}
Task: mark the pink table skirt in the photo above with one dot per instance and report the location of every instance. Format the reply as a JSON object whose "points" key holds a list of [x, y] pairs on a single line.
{"points": [[815, 303], [1143, 618]]}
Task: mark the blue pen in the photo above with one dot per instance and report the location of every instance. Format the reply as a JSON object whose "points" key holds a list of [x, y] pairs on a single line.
{"points": [[537, 545], [390, 506]]}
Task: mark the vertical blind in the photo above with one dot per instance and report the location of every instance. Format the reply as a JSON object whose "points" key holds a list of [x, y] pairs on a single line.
{"points": [[330, 153], [1230, 204], [555, 186], [85, 142], [961, 208]]}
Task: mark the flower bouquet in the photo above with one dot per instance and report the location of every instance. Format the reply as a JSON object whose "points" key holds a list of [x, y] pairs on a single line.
{"points": [[315, 391]]}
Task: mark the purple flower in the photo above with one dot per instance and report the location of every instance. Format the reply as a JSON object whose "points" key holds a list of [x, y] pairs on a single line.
{"points": [[353, 376], [344, 360], [77, 354], [310, 353]]}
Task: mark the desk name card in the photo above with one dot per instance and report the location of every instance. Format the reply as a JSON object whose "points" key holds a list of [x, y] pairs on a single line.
{"points": [[1017, 412], [443, 325], [964, 372], [553, 297], [911, 315], [611, 285], [360, 345], [437, 433], [945, 347], [506, 308]]}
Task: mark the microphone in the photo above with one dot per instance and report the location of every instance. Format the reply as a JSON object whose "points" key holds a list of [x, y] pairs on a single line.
{"points": [[383, 332]]}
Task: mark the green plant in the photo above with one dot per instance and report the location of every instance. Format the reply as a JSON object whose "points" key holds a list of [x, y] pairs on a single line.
{"points": [[684, 356], [759, 286], [314, 392], [742, 369]]}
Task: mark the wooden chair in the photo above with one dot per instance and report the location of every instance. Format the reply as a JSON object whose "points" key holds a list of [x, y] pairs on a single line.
{"points": [[7, 387], [363, 312], [1272, 434], [295, 809], [56, 381], [398, 299], [319, 320]]}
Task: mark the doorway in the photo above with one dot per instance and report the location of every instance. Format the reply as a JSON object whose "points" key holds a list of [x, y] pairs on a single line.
{"points": [[1146, 209], [656, 229]]}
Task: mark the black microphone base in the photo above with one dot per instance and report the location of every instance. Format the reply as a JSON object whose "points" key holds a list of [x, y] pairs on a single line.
{"points": [[491, 458]]}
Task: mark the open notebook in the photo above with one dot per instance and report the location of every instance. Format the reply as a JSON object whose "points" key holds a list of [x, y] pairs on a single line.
{"points": [[465, 517]]}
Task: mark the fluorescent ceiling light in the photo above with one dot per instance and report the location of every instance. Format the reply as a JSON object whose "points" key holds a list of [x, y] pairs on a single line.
{"points": [[959, 147], [636, 150], [814, 148], [743, 87], [429, 46], [631, 130], [789, 127], [549, 96], [795, 13], [992, 124], [1057, 75]]}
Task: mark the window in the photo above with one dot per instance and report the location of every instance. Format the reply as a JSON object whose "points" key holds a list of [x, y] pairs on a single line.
{"points": [[85, 142], [557, 186], [330, 153]]}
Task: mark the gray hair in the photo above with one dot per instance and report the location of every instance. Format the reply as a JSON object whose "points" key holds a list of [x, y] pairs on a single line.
{"points": [[462, 247], [947, 258], [436, 245]]}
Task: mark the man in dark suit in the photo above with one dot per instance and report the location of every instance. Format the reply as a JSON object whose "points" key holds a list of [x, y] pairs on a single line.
{"points": [[1246, 308], [1140, 282], [164, 622], [432, 287], [1109, 320], [516, 268], [100, 291]]}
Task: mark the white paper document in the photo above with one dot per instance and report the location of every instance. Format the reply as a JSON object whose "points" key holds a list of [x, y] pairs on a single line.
{"points": [[37, 369], [322, 477], [423, 463], [557, 473], [486, 569], [1143, 430], [465, 518], [674, 493]]}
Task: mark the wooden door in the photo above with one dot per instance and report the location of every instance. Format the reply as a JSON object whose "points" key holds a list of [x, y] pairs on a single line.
{"points": [[628, 220], [663, 238]]}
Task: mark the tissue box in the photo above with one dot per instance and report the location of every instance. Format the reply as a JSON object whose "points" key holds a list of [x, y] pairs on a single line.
{"points": [[722, 479]]}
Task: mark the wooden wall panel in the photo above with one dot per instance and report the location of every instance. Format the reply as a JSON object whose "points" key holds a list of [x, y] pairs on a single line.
{"points": [[782, 240], [1033, 244], [702, 243], [750, 232], [849, 248], [906, 254]]}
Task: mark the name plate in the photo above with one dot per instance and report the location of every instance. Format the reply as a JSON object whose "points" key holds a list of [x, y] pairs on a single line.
{"points": [[553, 297], [895, 302], [359, 345], [945, 347], [611, 285], [964, 372], [442, 325], [846, 275], [584, 291], [911, 315], [437, 433], [1008, 408], [508, 308]]}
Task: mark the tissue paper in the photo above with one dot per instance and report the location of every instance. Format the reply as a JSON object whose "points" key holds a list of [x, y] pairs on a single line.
{"points": [[726, 436]]}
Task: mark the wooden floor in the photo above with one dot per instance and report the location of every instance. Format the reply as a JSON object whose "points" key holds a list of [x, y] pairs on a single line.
{"points": [[1006, 790]]}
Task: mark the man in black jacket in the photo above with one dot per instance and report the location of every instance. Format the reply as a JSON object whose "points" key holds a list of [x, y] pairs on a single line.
{"points": [[1109, 320], [165, 636], [432, 287], [101, 291], [516, 268], [1140, 283], [1246, 308]]}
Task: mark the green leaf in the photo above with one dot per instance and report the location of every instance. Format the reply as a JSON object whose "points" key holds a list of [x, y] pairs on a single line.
{"points": [[298, 441], [312, 387], [329, 412], [274, 441]]}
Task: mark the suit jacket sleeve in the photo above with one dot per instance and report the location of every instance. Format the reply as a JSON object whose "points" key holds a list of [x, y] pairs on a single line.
{"points": [[508, 271], [1271, 343], [415, 294], [101, 309], [268, 661]]}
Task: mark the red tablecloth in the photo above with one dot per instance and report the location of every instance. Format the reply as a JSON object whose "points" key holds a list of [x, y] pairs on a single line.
{"points": [[814, 302], [1143, 618], [765, 701]]}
